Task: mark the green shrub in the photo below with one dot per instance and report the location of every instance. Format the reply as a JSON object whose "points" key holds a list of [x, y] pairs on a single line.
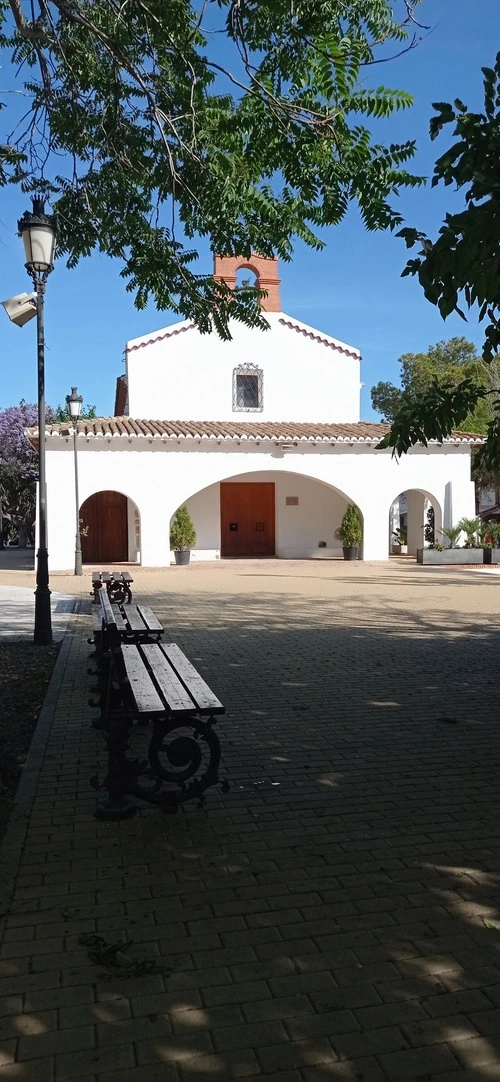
{"points": [[182, 531], [350, 531]]}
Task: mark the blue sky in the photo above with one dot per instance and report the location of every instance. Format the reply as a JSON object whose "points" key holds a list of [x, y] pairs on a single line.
{"points": [[352, 290]]}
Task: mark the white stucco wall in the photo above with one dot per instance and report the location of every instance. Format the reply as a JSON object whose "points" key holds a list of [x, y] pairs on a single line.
{"points": [[189, 376], [159, 476]]}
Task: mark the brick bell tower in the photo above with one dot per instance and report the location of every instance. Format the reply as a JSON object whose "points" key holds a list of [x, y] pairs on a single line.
{"points": [[265, 270]]}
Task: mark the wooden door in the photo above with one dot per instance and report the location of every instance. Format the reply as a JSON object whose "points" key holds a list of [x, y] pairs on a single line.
{"points": [[105, 514], [247, 518]]}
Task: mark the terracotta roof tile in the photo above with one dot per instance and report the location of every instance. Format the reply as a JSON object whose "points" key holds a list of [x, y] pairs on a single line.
{"points": [[288, 431]]}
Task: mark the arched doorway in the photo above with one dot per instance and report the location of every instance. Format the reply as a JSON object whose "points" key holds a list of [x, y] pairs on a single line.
{"points": [[110, 525], [415, 521]]}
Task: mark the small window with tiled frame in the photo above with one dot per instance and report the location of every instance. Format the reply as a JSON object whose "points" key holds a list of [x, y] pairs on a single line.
{"points": [[248, 386]]}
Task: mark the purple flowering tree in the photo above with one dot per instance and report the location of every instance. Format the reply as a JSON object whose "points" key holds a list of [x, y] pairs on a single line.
{"points": [[18, 472], [19, 468]]}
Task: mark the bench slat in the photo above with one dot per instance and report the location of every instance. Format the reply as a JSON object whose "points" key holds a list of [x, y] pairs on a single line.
{"points": [[134, 619], [145, 694], [96, 577], [203, 696], [170, 686], [126, 576], [105, 576], [151, 621], [119, 620]]}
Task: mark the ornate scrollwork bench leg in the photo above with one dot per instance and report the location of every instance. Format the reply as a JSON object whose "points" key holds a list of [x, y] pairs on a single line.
{"points": [[183, 761]]}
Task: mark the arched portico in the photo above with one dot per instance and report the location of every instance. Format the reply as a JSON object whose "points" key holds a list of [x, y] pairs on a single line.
{"points": [[267, 513], [111, 528]]}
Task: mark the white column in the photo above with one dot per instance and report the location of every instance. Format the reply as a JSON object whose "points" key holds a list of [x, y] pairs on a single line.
{"points": [[416, 520], [460, 501], [155, 539], [375, 545]]}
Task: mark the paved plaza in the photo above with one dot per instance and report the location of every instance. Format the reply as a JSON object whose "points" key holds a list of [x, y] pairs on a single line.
{"points": [[335, 917]]}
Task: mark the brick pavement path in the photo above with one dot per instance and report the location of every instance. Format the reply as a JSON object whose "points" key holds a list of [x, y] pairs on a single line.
{"points": [[336, 915]]}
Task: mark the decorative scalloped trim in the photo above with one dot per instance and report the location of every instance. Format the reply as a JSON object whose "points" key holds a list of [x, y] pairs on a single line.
{"points": [[331, 343], [160, 338]]}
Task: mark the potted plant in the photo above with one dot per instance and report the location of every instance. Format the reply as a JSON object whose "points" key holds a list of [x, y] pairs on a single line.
{"points": [[401, 540], [453, 553], [350, 532], [490, 539], [470, 527], [182, 535]]}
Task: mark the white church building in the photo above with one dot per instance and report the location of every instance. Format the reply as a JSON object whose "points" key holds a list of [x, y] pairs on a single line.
{"points": [[260, 437]]}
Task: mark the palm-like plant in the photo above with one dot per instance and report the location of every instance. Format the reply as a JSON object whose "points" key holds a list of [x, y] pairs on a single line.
{"points": [[490, 534], [470, 527], [453, 534]]}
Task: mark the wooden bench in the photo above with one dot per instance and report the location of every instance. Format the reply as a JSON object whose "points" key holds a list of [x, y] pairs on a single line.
{"points": [[136, 623], [155, 683], [117, 583]]}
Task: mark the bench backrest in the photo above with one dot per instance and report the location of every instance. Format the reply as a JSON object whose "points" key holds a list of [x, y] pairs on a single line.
{"points": [[107, 613], [110, 632]]}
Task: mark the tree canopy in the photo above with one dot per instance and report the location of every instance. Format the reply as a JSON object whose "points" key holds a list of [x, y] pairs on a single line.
{"points": [[447, 363], [440, 370], [461, 268], [150, 124]]}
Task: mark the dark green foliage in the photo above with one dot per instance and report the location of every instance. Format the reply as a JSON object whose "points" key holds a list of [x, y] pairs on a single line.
{"points": [[350, 531], [460, 270], [61, 414], [182, 531], [144, 141], [448, 363], [429, 530]]}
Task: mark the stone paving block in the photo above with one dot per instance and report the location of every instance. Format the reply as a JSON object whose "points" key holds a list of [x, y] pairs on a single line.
{"points": [[418, 1061], [151, 1073], [38, 1070], [365, 1069], [278, 1076], [36, 1046], [235, 1064], [477, 1051], [322, 1025], [79, 1066], [7, 1052], [296, 1054], [457, 1002], [174, 1050], [23, 1025], [249, 1035]]}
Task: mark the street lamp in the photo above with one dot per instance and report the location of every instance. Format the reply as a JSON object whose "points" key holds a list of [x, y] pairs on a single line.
{"points": [[38, 231], [74, 403]]}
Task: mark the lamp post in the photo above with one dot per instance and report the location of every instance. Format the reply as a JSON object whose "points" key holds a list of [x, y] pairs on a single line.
{"points": [[74, 403], [38, 231]]}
